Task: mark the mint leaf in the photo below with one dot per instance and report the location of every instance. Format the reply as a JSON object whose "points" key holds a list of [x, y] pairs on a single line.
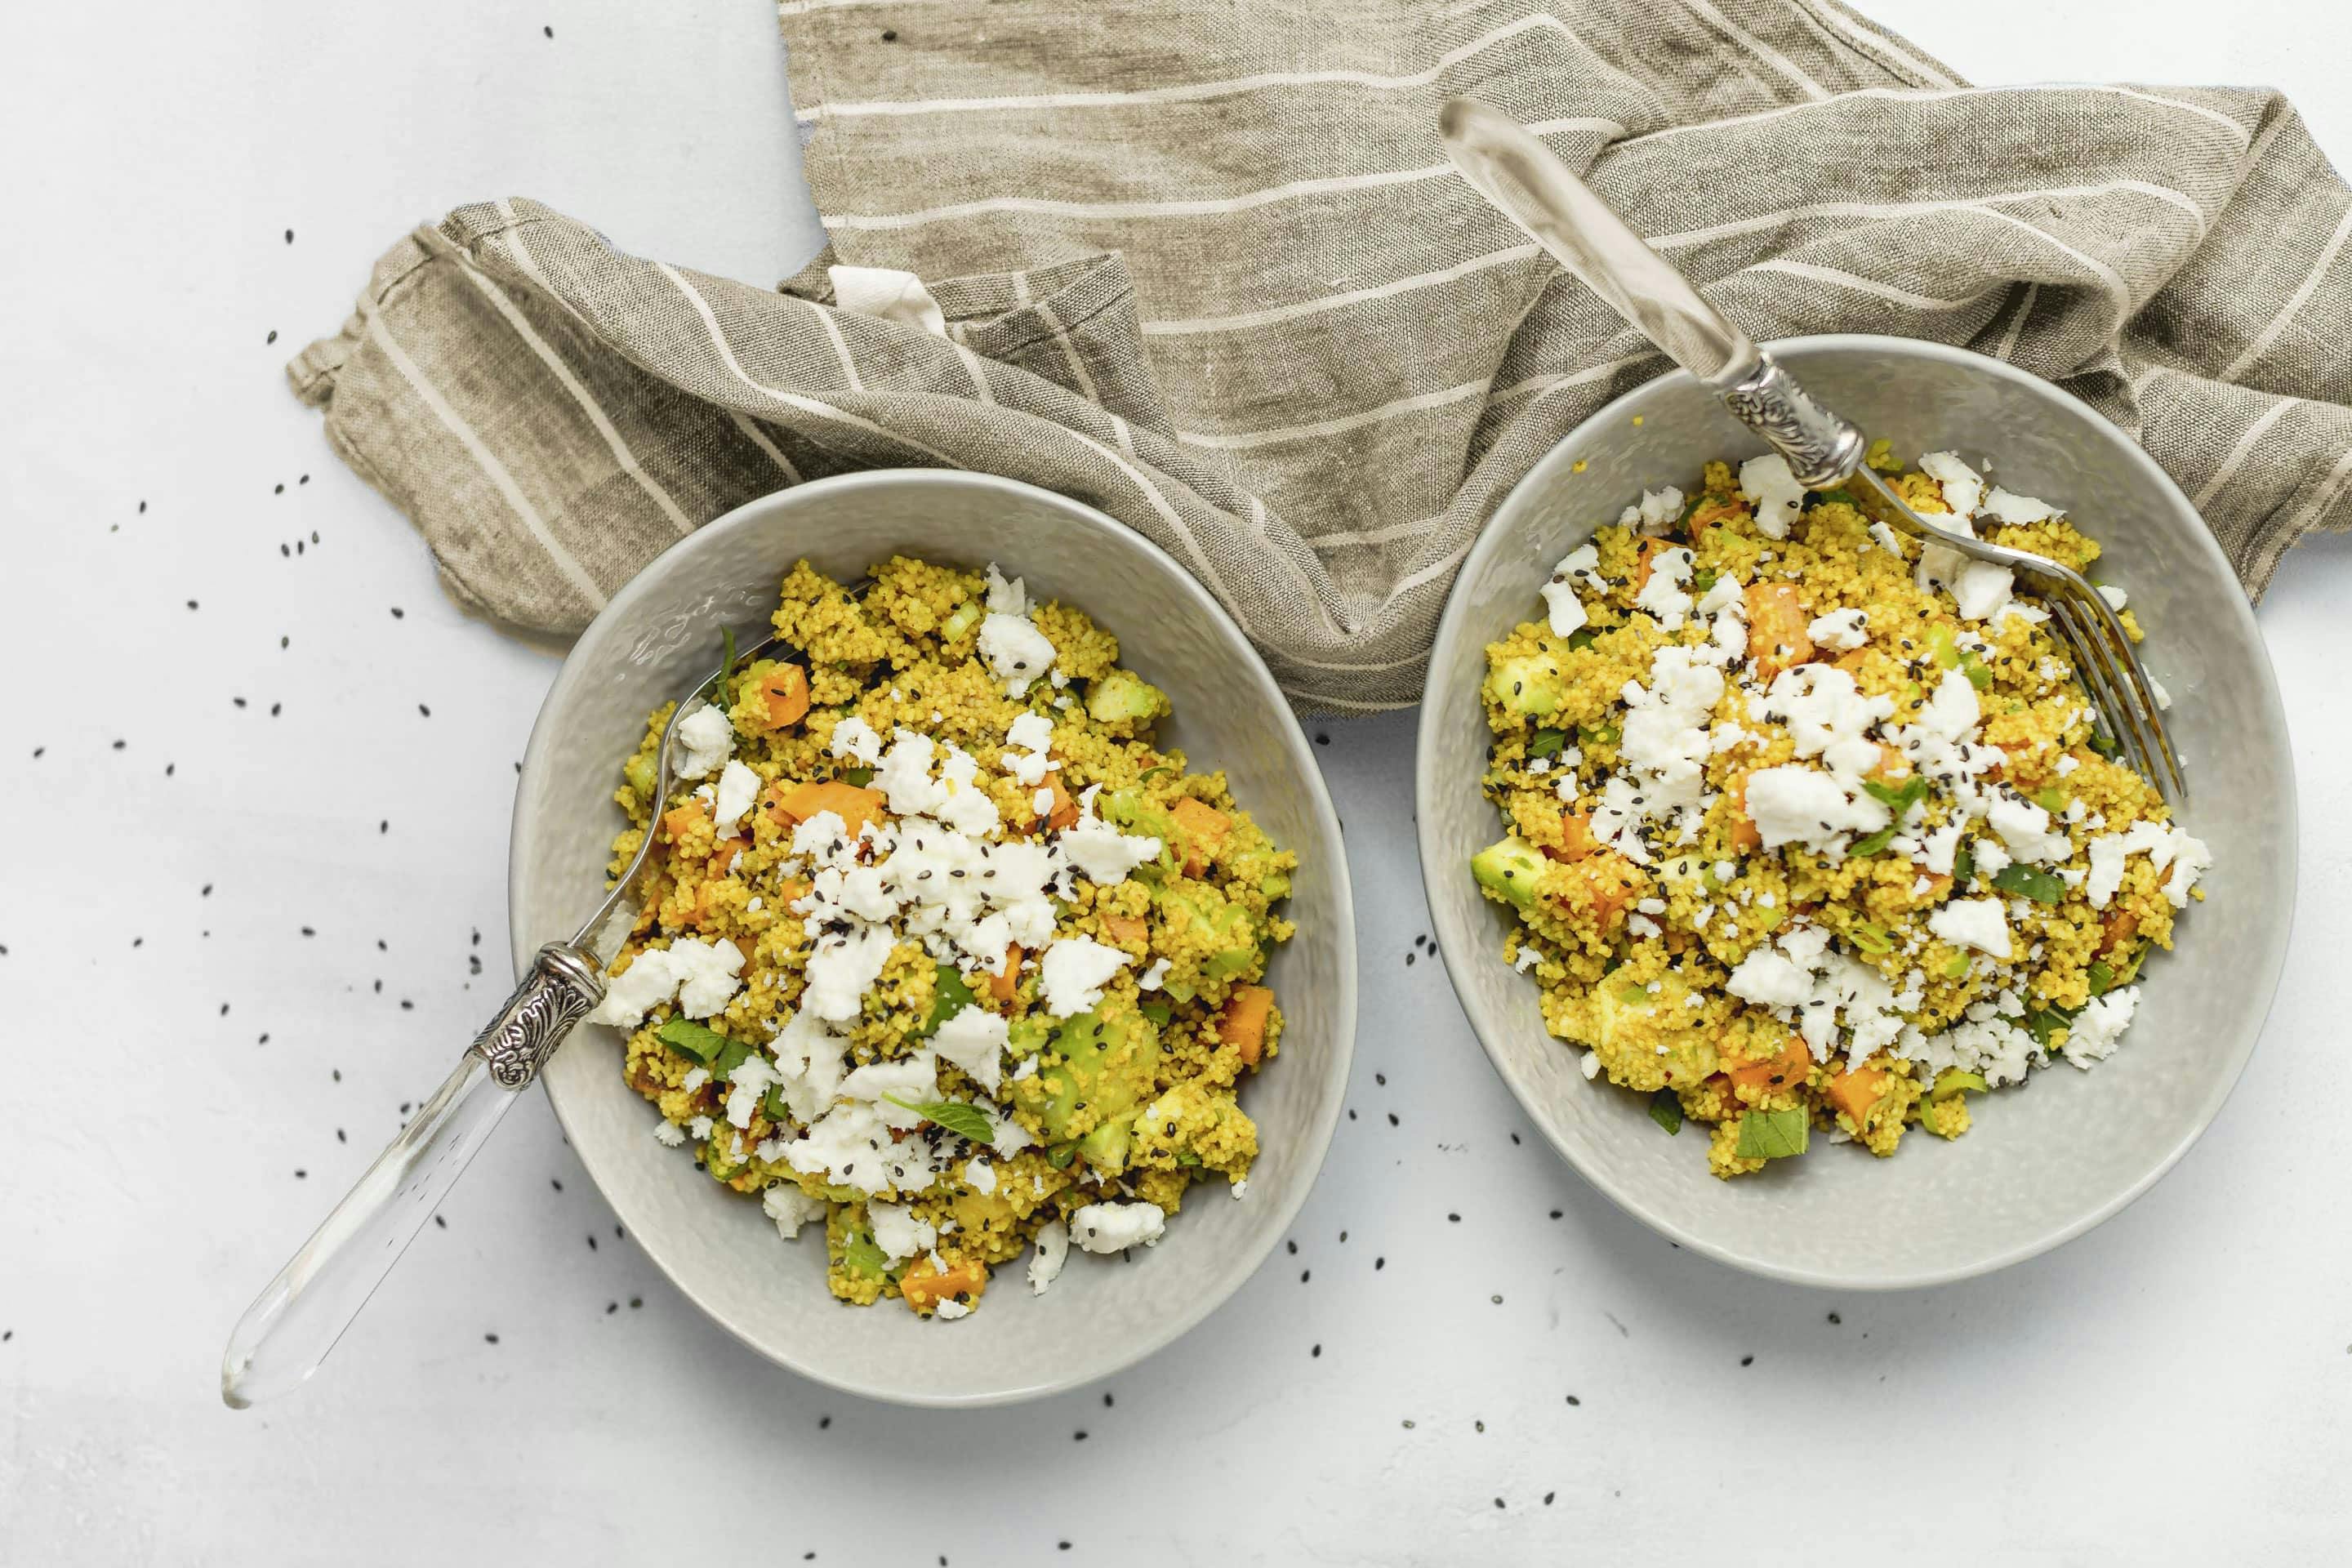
{"points": [[689, 1038], [2031, 882], [1547, 743], [1773, 1134], [1667, 1110], [1864, 847], [1898, 799], [950, 995], [967, 1122]]}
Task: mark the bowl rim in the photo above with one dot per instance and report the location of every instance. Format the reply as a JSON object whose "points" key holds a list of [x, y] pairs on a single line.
{"points": [[1458, 962], [1323, 816]]}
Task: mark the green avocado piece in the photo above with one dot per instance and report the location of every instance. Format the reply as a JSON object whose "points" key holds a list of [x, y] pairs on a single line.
{"points": [[1231, 927], [1106, 1147], [1123, 695], [1527, 684], [1509, 870], [1106, 1066], [642, 775]]}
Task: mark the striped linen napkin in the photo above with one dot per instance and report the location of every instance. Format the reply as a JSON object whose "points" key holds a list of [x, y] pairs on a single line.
{"points": [[1207, 268]]}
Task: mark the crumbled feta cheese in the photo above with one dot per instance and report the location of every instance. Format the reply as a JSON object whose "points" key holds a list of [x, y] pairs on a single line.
{"points": [[1840, 629], [668, 1134], [1590, 1063], [2092, 1034], [898, 1233], [979, 1176], [842, 967], [2114, 595], [2009, 507], [707, 740], [1797, 804], [1962, 486], [854, 738], [1530, 956], [1886, 539], [1773, 492], [791, 1208], [1074, 972], [1665, 596], [1658, 512], [1116, 1227], [1973, 922], [1016, 651], [1052, 1248], [974, 1040], [1150, 980], [737, 787], [2025, 829]]}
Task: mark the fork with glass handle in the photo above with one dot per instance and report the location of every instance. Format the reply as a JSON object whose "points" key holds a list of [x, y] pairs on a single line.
{"points": [[1506, 164], [296, 1321]]}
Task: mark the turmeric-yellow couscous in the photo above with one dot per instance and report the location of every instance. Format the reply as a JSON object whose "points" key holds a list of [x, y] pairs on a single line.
{"points": [[1809, 827], [937, 946]]}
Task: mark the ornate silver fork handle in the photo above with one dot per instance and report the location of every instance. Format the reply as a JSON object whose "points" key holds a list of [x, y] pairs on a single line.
{"points": [[1505, 163], [292, 1325]]}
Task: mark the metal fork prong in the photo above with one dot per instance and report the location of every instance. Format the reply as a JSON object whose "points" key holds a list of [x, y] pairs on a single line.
{"points": [[2113, 645], [2094, 665]]}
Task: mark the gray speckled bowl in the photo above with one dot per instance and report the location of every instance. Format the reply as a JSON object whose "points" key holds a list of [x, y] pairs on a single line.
{"points": [[2044, 1162], [660, 632]]}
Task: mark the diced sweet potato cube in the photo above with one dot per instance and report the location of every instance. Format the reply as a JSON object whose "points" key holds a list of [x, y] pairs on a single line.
{"points": [[855, 806], [1745, 836], [1002, 986], [724, 855], [679, 821], [2117, 933], [925, 1287], [1065, 810], [1782, 1071], [1858, 1092], [1777, 637], [1203, 828], [1576, 840], [785, 693], [1122, 929], [1243, 1022]]}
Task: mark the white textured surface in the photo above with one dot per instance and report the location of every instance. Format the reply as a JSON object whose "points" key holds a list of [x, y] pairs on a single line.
{"points": [[2174, 1387]]}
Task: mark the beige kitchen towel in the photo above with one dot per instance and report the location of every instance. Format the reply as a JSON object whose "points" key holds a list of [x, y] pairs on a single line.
{"points": [[1206, 268]]}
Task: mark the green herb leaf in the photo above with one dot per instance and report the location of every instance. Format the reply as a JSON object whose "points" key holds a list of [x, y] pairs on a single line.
{"points": [[2102, 977], [1964, 865], [1667, 1110], [2043, 1023], [773, 1105], [1583, 637], [963, 1120], [2103, 742], [731, 1055], [1159, 1013], [1897, 799], [2031, 882], [1773, 1134], [1703, 579], [861, 778], [1547, 743], [1864, 847], [688, 1039], [950, 995], [1061, 1154], [2052, 799]]}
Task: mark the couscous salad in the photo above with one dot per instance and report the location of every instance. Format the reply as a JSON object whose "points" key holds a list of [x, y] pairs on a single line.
{"points": [[1810, 827], [938, 948]]}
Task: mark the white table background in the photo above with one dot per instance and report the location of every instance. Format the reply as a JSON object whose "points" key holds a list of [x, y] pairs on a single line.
{"points": [[190, 1077]]}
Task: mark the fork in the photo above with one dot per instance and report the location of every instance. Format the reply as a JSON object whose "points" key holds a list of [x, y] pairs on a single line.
{"points": [[292, 1325], [1506, 164]]}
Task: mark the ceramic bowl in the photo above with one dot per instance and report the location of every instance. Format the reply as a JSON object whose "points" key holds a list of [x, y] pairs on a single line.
{"points": [[660, 633], [2045, 1162]]}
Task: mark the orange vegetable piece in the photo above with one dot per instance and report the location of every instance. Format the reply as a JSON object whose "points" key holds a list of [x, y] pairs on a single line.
{"points": [[785, 693], [1744, 833], [1001, 986], [1122, 928], [1610, 883], [1576, 840], [1858, 1091], [1642, 564], [1788, 1068], [1243, 1022], [1777, 638], [725, 852], [925, 1287], [2118, 931], [853, 805], [679, 820], [1064, 812], [1891, 767], [1204, 829]]}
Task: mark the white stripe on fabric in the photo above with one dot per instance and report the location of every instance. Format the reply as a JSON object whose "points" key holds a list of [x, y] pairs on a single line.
{"points": [[840, 344], [2007, 348], [2295, 301], [1125, 437], [1941, 204], [2118, 292], [1871, 43], [1541, 385], [1159, 503], [1046, 313], [1241, 440], [1196, 91], [978, 372], [613, 442], [2241, 452], [1935, 95], [1756, 46], [750, 427], [1871, 286], [1324, 185], [789, 399], [1297, 576], [2326, 497], [1274, 313], [487, 460]]}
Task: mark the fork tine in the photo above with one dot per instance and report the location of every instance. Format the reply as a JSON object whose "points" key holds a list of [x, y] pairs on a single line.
{"points": [[2137, 683], [2094, 663]]}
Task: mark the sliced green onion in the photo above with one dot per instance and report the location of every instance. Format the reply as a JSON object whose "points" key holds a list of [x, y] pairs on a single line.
{"points": [[1599, 734], [1964, 866], [1773, 1134], [1667, 1110], [1703, 579], [1952, 1080], [2101, 743], [2031, 882], [1158, 1012], [1871, 937]]}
